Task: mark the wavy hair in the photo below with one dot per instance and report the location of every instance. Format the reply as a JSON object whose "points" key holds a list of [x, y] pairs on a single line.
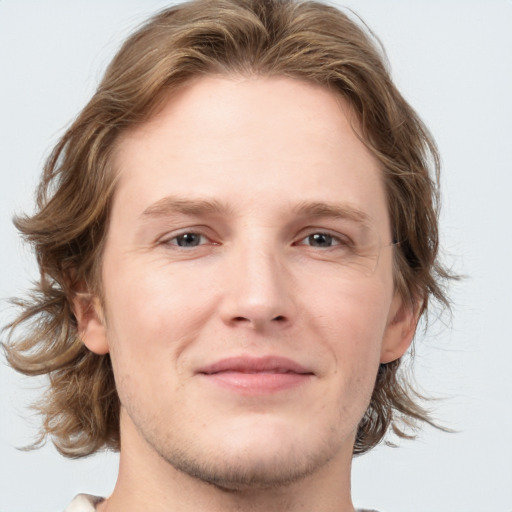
{"points": [[304, 40]]}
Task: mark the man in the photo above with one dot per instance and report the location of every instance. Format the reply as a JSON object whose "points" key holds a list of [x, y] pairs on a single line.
{"points": [[236, 237]]}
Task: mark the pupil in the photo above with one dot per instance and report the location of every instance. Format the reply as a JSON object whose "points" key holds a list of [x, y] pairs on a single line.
{"points": [[188, 240], [320, 240]]}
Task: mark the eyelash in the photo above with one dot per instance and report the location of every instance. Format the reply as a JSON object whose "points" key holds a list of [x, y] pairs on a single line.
{"points": [[339, 240], [174, 240]]}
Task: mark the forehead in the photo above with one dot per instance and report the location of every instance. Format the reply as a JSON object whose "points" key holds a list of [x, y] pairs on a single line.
{"points": [[268, 142]]}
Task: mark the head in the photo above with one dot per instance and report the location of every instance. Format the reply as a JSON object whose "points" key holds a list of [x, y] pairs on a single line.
{"points": [[179, 58]]}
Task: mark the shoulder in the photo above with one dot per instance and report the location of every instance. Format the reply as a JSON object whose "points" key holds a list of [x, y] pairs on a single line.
{"points": [[84, 503]]}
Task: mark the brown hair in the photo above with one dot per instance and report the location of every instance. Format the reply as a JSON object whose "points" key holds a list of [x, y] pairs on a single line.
{"points": [[304, 40]]}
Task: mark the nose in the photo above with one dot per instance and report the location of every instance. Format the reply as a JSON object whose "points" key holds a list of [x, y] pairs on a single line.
{"points": [[257, 291]]}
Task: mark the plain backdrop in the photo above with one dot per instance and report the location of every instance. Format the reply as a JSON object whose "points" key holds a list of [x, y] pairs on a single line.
{"points": [[452, 61]]}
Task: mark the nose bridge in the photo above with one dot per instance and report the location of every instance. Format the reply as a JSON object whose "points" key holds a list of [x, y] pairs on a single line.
{"points": [[258, 291]]}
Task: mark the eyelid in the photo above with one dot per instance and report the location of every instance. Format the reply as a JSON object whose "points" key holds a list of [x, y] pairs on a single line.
{"points": [[341, 238], [197, 230], [170, 241]]}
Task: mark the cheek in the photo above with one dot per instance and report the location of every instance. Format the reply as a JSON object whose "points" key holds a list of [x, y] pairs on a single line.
{"points": [[150, 322], [356, 310], [353, 321], [153, 315], [357, 355]]}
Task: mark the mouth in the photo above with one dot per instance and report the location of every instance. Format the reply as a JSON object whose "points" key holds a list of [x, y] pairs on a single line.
{"points": [[256, 375]]}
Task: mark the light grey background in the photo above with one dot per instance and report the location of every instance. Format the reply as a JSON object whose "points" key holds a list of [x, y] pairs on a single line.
{"points": [[452, 60]]}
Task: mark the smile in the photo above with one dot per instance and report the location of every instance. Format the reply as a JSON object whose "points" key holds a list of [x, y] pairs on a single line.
{"points": [[255, 376]]}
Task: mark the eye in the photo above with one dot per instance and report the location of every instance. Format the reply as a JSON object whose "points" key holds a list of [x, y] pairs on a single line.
{"points": [[322, 240], [188, 240]]}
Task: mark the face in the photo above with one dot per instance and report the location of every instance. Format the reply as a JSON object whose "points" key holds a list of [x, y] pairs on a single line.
{"points": [[247, 279]]}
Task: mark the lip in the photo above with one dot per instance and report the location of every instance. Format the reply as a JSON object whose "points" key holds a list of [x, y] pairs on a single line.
{"points": [[250, 364], [256, 375]]}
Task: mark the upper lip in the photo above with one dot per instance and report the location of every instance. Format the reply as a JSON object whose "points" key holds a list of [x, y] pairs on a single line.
{"points": [[251, 364]]}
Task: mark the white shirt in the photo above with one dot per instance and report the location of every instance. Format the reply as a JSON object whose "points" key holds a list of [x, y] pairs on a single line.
{"points": [[87, 503]]}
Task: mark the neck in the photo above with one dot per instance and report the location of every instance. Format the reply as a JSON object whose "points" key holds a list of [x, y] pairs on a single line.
{"points": [[148, 482]]}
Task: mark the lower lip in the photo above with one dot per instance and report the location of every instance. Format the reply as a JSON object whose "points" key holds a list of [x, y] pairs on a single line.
{"points": [[258, 383]]}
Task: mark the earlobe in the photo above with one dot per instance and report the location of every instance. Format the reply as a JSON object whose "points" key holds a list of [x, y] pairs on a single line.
{"points": [[400, 329], [91, 322]]}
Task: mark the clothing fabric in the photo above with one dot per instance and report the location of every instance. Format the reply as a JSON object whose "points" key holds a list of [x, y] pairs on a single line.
{"points": [[84, 503], [87, 503]]}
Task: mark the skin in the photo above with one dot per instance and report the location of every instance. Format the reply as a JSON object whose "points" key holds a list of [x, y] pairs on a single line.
{"points": [[237, 163]]}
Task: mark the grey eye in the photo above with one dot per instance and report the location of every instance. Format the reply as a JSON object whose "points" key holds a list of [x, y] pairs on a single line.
{"points": [[320, 240], [188, 240]]}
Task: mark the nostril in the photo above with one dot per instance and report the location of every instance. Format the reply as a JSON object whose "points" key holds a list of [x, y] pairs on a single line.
{"points": [[258, 321]]}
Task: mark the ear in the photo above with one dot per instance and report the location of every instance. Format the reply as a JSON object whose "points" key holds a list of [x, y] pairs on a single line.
{"points": [[91, 322], [402, 322]]}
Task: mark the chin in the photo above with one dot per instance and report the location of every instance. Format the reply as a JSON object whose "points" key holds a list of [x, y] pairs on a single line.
{"points": [[264, 456], [249, 470]]}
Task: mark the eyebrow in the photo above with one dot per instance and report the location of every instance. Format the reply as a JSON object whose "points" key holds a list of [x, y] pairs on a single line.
{"points": [[333, 210], [172, 205]]}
